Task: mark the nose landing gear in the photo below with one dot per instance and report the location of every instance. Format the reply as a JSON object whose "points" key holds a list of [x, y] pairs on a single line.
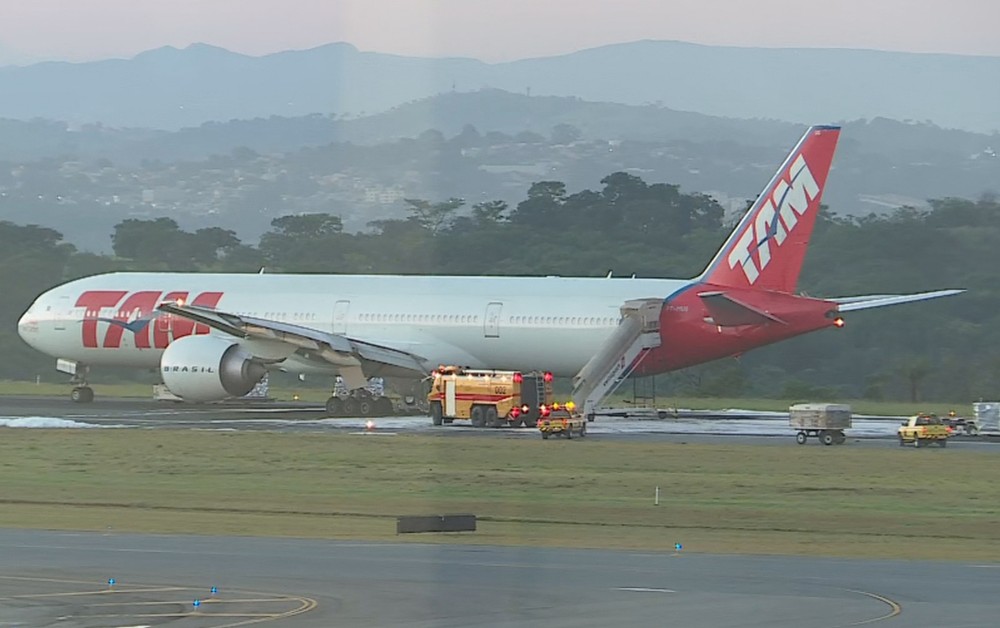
{"points": [[82, 392]]}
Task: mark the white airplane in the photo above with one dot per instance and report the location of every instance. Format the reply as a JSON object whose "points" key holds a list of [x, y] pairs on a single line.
{"points": [[213, 336]]}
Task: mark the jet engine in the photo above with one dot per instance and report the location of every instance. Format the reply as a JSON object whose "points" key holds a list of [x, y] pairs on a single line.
{"points": [[209, 368]]}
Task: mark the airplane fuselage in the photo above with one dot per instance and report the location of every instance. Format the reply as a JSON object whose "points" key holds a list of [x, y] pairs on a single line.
{"points": [[548, 323]]}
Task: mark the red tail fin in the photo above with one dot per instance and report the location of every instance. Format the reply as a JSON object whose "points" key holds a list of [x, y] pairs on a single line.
{"points": [[768, 245]]}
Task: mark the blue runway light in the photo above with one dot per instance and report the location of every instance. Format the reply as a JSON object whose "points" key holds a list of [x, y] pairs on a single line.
{"points": [[678, 547], [215, 590], [196, 603], [111, 582]]}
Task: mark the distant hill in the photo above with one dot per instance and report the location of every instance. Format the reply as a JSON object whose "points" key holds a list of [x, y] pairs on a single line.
{"points": [[169, 88], [488, 110]]}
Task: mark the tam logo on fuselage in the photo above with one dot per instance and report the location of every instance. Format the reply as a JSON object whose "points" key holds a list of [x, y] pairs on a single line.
{"points": [[136, 312], [776, 218]]}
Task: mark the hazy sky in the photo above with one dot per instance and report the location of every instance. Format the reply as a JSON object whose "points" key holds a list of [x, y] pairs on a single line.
{"points": [[492, 30]]}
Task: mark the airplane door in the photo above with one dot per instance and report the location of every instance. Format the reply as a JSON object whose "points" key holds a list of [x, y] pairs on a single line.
{"points": [[63, 312], [340, 317], [491, 324]]}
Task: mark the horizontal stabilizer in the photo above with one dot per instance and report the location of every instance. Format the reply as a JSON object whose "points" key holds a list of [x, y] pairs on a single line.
{"points": [[851, 304], [729, 312]]}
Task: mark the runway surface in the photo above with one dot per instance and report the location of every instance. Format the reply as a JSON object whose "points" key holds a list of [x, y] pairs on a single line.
{"points": [[746, 426], [56, 578]]}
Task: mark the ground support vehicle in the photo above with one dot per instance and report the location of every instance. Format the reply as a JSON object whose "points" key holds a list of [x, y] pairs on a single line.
{"points": [[960, 425], [488, 398], [987, 418], [823, 421], [562, 423], [923, 429]]}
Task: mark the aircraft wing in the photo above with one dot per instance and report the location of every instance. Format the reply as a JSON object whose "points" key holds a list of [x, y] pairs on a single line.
{"points": [[336, 349], [851, 304]]}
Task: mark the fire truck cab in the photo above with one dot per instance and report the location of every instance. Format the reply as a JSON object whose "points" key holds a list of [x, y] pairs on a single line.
{"points": [[488, 398]]}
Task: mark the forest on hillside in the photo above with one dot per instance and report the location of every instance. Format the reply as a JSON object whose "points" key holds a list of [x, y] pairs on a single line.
{"points": [[945, 350]]}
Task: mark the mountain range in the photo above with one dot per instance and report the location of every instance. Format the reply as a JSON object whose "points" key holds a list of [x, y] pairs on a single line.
{"points": [[170, 88]]}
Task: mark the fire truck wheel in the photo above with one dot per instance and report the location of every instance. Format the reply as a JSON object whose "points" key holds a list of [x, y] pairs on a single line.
{"points": [[545, 436], [583, 430], [477, 416], [492, 420], [436, 413]]}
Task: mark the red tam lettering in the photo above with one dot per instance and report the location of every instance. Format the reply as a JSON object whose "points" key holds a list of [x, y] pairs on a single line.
{"points": [[165, 322], [93, 301], [184, 327], [141, 304]]}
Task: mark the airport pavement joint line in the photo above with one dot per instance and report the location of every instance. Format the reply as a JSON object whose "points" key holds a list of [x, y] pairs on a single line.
{"points": [[894, 607]]}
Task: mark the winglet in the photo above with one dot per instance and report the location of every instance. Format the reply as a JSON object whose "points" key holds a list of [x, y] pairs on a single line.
{"points": [[767, 247]]}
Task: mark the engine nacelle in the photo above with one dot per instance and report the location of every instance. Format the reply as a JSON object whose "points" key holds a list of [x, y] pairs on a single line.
{"points": [[209, 368]]}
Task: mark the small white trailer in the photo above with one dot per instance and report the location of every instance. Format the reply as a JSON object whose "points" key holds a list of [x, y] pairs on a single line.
{"points": [[824, 421], [987, 416]]}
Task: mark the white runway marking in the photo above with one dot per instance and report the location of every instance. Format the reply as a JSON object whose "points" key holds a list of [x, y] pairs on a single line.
{"points": [[43, 422], [645, 590]]}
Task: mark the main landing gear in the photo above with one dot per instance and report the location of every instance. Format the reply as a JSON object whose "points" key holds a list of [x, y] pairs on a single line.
{"points": [[361, 402]]}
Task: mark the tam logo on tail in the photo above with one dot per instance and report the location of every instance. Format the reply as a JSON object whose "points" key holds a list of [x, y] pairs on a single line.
{"points": [[775, 220], [767, 247]]}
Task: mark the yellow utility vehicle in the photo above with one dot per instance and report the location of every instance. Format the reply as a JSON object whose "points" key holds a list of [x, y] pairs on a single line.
{"points": [[923, 429], [561, 420]]}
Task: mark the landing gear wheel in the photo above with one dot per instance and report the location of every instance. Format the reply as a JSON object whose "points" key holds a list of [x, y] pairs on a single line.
{"points": [[827, 438], [801, 438], [350, 407], [365, 407], [334, 406], [384, 407], [82, 394], [436, 418]]}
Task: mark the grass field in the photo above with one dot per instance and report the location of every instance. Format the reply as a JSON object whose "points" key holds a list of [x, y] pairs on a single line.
{"points": [[842, 501]]}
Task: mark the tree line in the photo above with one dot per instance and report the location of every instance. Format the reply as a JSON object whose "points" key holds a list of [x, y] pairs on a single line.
{"points": [[946, 350]]}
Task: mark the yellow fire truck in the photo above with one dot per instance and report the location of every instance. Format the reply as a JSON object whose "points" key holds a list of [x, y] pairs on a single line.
{"points": [[488, 398]]}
